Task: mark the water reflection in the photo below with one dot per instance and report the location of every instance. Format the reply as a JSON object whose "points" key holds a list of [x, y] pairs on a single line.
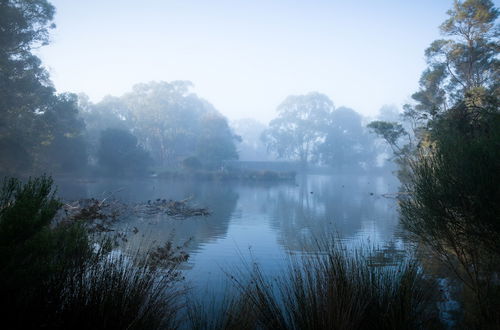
{"points": [[220, 199], [351, 206], [267, 221]]}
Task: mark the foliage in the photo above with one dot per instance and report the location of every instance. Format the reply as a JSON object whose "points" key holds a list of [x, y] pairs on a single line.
{"points": [[216, 141], [309, 129], [346, 143], [391, 132], [465, 63], [300, 128], [395, 136], [98, 117], [35, 122], [455, 203], [24, 24], [53, 276], [453, 197], [119, 153], [170, 122], [461, 69], [33, 256], [251, 148]]}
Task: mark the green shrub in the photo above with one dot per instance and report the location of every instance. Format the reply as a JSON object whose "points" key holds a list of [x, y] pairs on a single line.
{"points": [[454, 205], [54, 276]]}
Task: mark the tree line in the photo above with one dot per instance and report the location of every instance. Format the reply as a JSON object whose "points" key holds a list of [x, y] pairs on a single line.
{"points": [[309, 129], [156, 125]]}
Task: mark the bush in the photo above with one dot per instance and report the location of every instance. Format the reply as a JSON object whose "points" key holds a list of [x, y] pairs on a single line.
{"points": [[53, 276], [120, 154], [454, 205]]}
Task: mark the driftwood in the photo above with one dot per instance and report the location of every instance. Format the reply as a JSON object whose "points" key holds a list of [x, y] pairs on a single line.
{"points": [[178, 209], [99, 215]]}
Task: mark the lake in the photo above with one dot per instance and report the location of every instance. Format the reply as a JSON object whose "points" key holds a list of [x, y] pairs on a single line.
{"points": [[261, 222]]}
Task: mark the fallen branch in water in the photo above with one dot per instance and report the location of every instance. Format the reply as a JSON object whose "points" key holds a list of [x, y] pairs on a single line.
{"points": [[177, 209], [100, 215]]}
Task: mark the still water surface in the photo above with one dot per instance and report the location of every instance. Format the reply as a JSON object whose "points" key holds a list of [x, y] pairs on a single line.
{"points": [[264, 222]]}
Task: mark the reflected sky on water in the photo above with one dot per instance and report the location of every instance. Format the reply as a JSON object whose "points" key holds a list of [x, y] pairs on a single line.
{"points": [[263, 222]]}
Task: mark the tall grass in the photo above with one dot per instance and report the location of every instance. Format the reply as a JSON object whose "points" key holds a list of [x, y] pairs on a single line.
{"points": [[336, 289], [53, 276], [120, 293], [228, 311]]}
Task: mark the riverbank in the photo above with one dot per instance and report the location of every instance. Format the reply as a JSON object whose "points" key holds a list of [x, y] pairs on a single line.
{"points": [[228, 175]]}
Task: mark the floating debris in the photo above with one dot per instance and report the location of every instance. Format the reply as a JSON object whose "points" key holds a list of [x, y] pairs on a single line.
{"points": [[100, 215], [177, 209]]}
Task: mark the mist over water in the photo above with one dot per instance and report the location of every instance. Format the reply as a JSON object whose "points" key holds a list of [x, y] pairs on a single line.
{"points": [[294, 157], [263, 222]]}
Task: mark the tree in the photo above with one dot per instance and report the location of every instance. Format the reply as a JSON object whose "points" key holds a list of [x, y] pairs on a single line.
{"points": [[216, 140], [120, 154], [251, 147], [454, 207], [391, 132], [346, 143], [166, 118], [35, 122], [300, 128], [453, 197], [169, 121], [63, 147], [466, 64], [108, 113]]}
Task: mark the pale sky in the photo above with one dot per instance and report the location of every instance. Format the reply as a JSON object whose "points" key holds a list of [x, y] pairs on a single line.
{"points": [[245, 57]]}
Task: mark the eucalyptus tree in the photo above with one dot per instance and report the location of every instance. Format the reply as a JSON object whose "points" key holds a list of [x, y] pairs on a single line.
{"points": [[300, 128], [461, 80], [216, 141], [120, 154], [35, 122], [465, 64], [347, 144], [169, 121], [454, 191]]}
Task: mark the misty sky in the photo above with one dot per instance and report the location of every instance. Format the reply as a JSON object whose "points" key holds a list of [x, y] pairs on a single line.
{"points": [[245, 57]]}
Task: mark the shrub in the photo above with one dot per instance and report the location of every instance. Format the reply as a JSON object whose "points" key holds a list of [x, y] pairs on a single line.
{"points": [[53, 276], [120, 154], [454, 206]]}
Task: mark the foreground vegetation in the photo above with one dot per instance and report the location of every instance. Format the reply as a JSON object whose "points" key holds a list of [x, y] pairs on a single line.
{"points": [[332, 289], [57, 276], [451, 161], [455, 205]]}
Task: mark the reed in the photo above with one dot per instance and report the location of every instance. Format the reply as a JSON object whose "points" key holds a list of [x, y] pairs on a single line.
{"points": [[334, 289]]}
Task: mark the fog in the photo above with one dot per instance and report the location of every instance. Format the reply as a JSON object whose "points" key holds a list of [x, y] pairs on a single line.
{"points": [[264, 162], [191, 85], [246, 57]]}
